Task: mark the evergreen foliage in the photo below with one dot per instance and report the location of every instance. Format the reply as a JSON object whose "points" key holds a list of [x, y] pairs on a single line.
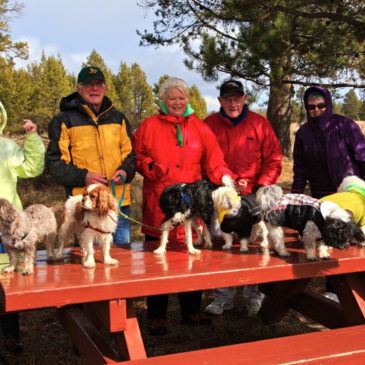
{"points": [[8, 47], [197, 102], [352, 105]]}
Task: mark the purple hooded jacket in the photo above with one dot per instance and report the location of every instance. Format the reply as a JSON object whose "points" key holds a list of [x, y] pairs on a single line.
{"points": [[327, 149]]}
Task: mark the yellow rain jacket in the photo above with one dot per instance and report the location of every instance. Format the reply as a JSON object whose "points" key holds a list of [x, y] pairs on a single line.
{"points": [[82, 142]]}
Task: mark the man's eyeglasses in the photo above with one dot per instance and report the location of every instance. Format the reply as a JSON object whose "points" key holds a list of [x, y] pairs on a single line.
{"points": [[314, 106]]}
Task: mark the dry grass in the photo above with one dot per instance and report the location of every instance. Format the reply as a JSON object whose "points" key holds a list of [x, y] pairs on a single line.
{"points": [[46, 342]]}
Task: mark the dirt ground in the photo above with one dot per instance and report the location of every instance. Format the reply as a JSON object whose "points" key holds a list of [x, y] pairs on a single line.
{"points": [[46, 342]]}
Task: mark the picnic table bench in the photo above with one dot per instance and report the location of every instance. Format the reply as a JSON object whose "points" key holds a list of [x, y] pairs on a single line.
{"points": [[106, 294]]}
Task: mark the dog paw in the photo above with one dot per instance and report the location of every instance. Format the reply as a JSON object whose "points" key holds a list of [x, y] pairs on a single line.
{"points": [[284, 254], [264, 250], [110, 261], [244, 249], [27, 272], [159, 251], [194, 251], [325, 257], [208, 245], [227, 246], [312, 258], [8, 269], [90, 264]]}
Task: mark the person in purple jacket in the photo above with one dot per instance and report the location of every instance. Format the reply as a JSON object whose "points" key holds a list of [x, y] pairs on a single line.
{"points": [[327, 148]]}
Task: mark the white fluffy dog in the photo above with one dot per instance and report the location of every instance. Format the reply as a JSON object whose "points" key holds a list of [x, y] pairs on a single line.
{"points": [[320, 223], [22, 230], [91, 217], [240, 215]]}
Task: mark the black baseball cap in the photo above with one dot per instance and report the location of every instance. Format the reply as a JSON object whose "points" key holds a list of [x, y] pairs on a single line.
{"points": [[231, 87], [90, 73]]}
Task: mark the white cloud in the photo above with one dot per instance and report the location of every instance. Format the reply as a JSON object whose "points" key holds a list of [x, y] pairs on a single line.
{"points": [[212, 103]]}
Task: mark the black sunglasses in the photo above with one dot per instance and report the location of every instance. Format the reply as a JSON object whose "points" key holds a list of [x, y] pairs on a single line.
{"points": [[314, 106]]}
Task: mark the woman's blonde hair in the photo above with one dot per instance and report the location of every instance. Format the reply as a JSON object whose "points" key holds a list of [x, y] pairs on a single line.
{"points": [[173, 83]]}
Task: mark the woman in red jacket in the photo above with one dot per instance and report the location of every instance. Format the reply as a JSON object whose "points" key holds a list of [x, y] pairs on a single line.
{"points": [[173, 147]]}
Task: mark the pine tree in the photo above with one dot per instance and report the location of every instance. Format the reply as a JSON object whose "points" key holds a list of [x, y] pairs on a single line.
{"points": [[8, 47], [351, 106], [124, 89], [197, 102], [143, 100], [51, 84]]}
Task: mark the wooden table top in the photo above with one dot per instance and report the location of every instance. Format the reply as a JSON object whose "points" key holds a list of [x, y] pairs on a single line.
{"points": [[141, 273]]}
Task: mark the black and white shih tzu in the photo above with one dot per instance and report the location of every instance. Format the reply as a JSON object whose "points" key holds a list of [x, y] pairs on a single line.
{"points": [[186, 203], [320, 223], [240, 215]]}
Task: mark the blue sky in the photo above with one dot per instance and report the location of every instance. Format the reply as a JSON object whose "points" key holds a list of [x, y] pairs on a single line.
{"points": [[73, 28]]}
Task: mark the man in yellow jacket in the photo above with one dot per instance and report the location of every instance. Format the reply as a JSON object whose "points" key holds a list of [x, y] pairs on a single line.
{"points": [[15, 162], [90, 142]]}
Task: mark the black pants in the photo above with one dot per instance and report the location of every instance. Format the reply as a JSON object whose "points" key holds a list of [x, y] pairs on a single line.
{"points": [[157, 304]]}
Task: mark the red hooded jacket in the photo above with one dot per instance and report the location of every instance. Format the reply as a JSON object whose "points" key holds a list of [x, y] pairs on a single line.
{"points": [[163, 162], [251, 148]]}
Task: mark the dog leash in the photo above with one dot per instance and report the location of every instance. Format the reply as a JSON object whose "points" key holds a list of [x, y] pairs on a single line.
{"points": [[120, 203]]}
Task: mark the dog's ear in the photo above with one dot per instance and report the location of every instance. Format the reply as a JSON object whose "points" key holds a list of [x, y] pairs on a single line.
{"points": [[106, 201], [79, 213]]}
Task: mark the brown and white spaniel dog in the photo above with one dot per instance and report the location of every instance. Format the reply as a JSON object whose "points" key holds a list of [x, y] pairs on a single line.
{"points": [[91, 217]]}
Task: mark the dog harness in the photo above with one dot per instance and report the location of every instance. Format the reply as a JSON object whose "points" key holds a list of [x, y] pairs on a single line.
{"points": [[294, 211]]}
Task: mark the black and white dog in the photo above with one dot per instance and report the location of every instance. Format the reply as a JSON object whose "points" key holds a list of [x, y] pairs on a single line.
{"points": [[320, 223], [185, 203]]}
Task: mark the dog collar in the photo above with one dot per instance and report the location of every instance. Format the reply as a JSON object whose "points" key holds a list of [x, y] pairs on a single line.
{"points": [[96, 229], [357, 188]]}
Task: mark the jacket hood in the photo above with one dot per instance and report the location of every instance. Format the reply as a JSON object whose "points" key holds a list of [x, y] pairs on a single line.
{"points": [[3, 118], [75, 101], [327, 115]]}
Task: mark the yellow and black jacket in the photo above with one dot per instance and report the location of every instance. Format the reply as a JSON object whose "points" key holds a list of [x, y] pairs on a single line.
{"points": [[82, 142]]}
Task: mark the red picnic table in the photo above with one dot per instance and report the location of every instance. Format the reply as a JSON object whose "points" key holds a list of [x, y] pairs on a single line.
{"points": [[106, 294]]}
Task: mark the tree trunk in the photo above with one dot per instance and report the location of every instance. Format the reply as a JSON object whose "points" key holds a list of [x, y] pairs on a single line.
{"points": [[279, 112]]}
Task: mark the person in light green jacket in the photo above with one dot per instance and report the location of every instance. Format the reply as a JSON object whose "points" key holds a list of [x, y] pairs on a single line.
{"points": [[15, 162]]}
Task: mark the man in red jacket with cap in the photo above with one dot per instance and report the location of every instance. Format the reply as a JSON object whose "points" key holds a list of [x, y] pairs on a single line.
{"points": [[252, 151]]}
